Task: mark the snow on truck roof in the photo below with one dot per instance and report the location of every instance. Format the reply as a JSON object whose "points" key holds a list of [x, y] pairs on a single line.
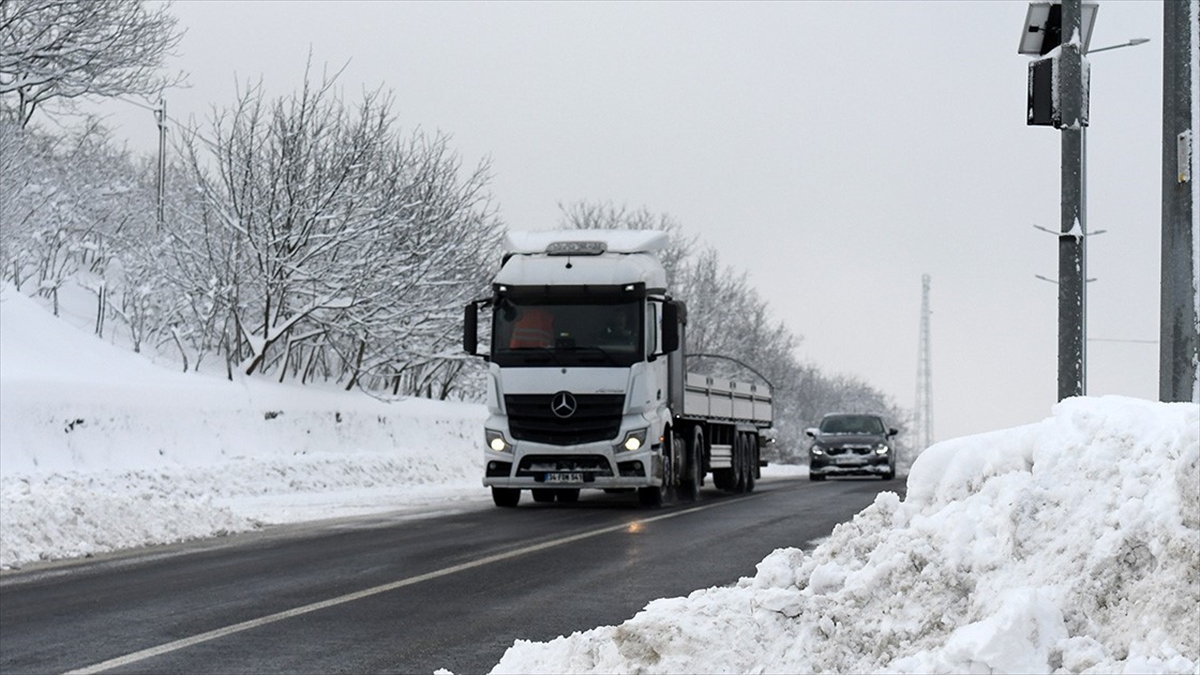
{"points": [[614, 241]]}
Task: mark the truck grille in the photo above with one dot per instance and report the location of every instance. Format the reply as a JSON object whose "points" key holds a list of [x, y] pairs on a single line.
{"points": [[589, 465], [597, 418]]}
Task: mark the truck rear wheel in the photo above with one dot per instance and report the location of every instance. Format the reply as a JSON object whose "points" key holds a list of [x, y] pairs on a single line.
{"points": [[739, 462], [506, 497], [751, 465], [723, 479], [689, 482]]}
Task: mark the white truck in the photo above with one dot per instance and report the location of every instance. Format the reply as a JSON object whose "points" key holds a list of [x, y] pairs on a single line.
{"points": [[586, 384]]}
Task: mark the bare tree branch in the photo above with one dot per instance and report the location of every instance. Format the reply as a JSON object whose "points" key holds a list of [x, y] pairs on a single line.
{"points": [[70, 48]]}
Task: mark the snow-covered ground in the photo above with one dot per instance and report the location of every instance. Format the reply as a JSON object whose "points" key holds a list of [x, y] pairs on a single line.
{"points": [[1072, 544], [102, 450]]}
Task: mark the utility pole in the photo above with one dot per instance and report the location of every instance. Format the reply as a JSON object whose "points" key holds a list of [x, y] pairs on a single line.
{"points": [[1059, 32], [924, 403], [1178, 328], [160, 116], [1073, 226]]}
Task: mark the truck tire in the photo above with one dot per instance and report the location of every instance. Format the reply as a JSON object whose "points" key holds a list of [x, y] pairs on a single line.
{"points": [[542, 495], [723, 479], [751, 461], [506, 497], [650, 496], [739, 463], [689, 481]]}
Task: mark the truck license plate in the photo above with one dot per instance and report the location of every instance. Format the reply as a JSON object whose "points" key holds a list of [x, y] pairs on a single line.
{"points": [[564, 478], [850, 460]]}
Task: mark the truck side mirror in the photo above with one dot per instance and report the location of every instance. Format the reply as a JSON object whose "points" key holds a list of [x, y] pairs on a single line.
{"points": [[471, 328], [670, 327]]}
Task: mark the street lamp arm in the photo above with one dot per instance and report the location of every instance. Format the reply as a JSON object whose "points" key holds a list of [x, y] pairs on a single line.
{"points": [[1133, 42]]}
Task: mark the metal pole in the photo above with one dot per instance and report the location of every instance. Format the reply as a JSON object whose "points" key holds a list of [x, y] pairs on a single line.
{"points": [[1073, 224], [1178, 328], [160, 115]]}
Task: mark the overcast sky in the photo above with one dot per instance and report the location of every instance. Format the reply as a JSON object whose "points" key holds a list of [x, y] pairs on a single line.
{"points": [[836, 151]]}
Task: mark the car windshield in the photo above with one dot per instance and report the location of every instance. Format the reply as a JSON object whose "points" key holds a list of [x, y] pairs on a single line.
{"points": [[568, 333], [852, 424]]}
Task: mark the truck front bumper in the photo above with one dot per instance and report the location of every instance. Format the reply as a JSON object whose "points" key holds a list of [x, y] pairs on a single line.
{"points": [[593, 465]]}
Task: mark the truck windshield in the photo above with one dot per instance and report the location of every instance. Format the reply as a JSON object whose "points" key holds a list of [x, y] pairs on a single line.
{"points": [[567, 333]]}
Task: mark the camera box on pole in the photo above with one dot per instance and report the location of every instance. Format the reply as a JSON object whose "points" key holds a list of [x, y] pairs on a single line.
{"points": [[1042, 110], [1043, 103]]}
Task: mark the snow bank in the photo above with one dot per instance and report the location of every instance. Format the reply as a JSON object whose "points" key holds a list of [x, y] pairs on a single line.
{"points": [[1069, 545], [101, 450]]}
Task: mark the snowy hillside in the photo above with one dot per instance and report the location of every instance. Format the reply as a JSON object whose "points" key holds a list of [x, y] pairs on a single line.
{"points": [[101, 450], [1071, 545]]}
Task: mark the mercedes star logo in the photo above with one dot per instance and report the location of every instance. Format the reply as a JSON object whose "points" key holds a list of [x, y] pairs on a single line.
{"points": [[563, 405]]}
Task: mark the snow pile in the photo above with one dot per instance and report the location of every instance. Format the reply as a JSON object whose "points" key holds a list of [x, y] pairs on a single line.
{"points": [[1069, 545], [101, 450]]}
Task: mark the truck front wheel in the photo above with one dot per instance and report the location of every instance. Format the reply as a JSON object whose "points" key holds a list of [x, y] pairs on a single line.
{"points": [[506, 497], [650, 496]]}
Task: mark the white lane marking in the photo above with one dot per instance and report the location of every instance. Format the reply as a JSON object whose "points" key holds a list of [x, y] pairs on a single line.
{"points": [[359, 595]]}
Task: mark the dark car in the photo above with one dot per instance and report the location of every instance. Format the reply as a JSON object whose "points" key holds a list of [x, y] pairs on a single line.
{"points": [[851, 444]]}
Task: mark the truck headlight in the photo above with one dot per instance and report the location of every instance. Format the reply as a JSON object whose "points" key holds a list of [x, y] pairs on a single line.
{"points": [[495, 441], [817, 450], [882, 449], [634, 440]]}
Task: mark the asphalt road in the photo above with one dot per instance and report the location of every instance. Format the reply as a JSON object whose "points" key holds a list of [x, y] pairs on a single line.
{"points": [[396, 594]]}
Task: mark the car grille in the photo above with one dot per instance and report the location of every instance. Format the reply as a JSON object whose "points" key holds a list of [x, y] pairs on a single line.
{"points": [[597, 418], [850, 449]]}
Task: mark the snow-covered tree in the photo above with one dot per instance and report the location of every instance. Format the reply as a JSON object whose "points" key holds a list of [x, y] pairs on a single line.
{"points": [[593, 216], [342, 248], [64, 49], [64, 199]]}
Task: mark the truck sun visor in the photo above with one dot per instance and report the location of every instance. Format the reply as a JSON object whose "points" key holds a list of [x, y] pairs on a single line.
{"points": [[576, 248]]}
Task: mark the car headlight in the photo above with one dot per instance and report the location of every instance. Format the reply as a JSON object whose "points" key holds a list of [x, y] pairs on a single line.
{"points": [[496, 441], [882, 449], [634, 440], [817, 450]]}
